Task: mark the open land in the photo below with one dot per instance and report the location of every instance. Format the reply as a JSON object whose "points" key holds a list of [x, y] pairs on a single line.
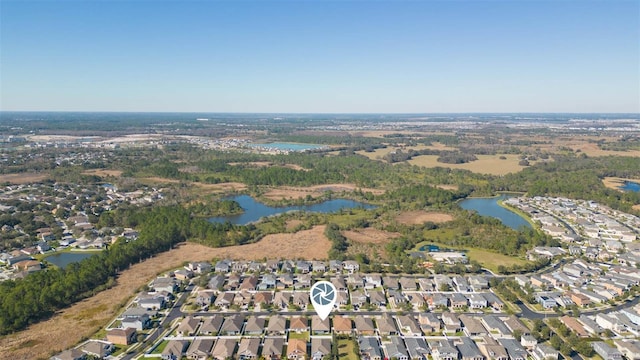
{"points": [[103, 172], [616, 182], [23, 178], [378, 154], [87, 316], [421, 216], [486, 164], [370, 236], [220, 187], [289, 192]]}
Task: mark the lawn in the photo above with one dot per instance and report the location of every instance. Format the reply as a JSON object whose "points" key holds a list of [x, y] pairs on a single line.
{"points": [[303, 335], [346, 350]]}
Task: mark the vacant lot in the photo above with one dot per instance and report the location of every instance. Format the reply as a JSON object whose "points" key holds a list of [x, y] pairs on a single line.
{"points": [[370, 236], [616, 182], [103, 172], [380, 153], [290, 192], [421, 216], [221, 187], [88, 316], [23, 178], [486, 164]]}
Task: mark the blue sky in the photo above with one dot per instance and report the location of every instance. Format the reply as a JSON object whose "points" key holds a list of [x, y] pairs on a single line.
{"points": [[322, 56]]}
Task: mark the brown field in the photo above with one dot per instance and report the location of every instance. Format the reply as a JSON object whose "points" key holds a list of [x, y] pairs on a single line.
{"points": [[292, 224], [447, 187], [103, 172], [636, 207], [592, 149], [289, 192], [221, 187], [616, 182], [23, 178], [88, 316], [370, 236], [486, 164], [378, 154], [421, 216]]}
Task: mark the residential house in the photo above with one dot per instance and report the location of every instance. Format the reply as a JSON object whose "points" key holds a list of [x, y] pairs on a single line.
{"points": [[443, 350], [355, 281], [342, 325], [514, 324], [139, 323], [391, 283], [396, 349], [386, 325], [514, 349], [285, 281], [451, 322], [242, 299], [216, 283], [268, 281], [342, 299], [364, 325], [574, 326], [458, 301], [71, 354], [319, 326], [249, 283], [281, 299], [417, 348], [164, 284], [335, 265], [477, 301], [205, 297], [544, 352], [277, 325], [495, 325], [124, 336], [606, 351], [358, 298], [263, 298], [255, 267], [304, 267], [409, 326], [351, 266], [338, 283], [429, 322], [396, 297], [468, 349], [200, 349], [408, 284], [272, 348], [629, 348], [546, 301], [225, 299], [254, 325], [320, 347], [303, 281], [211, 324], [478, 282], [248, 348], [232, 325], [183, 274], [492, 349], [272, 265], [174, 350], [224, 348], [301, 299], [97, 348], [528, 341], [188, 326], [472, 326], [372, 281], [299, 324], [233, 281], [152, 302], [437, 300], [297, 349], [369, 348], [319, 266], [493, 301]]}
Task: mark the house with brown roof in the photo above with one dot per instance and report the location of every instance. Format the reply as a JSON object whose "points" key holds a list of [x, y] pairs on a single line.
{"points": [[200, 349], [319, 326], [320, 347], [364, 325], [301, 299], [211, 324], [263, 298], [188, 326], [254, 325], [299, 324], [342, 325], [297, 349], [574, 325], [122, 336], [97, 348], [249, 283], [579, 299], [248, 348], [386, 325], [272, 348], [224, 349], [277, 325], [174, 349], [281, 299]]}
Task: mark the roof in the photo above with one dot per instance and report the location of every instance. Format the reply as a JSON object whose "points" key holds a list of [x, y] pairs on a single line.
{"points": [[224, 348], [211, 324], [296, 346], [396, 349], [272, 346], [321, 345], [188, 325], [232, 324], [317, 324], [249, 347], [342, 323], [175, 347], [363, 323], [277, 323], [298, 323], [200, 346], [254, 324]]}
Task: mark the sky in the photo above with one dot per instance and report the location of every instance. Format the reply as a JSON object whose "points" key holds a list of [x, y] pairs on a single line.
{"points": [[320, 56]]}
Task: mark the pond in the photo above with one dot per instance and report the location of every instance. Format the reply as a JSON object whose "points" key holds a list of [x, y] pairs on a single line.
{"points": [[254, 210], [490, 207], [287, 146], [63, 259], [630, 186]]}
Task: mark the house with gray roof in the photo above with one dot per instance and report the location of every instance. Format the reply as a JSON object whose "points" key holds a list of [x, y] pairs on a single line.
{"points": [[200, 349], [409, 326], [495, 325], [369, 348], [248, 348], [211, 324], [97, 348], [254, 325], [472, 326], [175, 349], [224, 349], [364, 325], [515, 350], [277, 325], [606, 351], [272, 348], [386, 325], [417, 348], [320, 347], [397, 349], [544, 352], [443, 350], [232, 325], [468, 349]]}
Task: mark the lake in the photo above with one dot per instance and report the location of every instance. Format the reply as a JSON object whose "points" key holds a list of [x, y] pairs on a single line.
{"points": [[630, 186], [63, 259], [287, 146], [490, 207], [254, 210]]}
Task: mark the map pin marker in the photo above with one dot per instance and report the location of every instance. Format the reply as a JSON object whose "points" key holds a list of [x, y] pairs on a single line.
{"points": [[323, 297]]}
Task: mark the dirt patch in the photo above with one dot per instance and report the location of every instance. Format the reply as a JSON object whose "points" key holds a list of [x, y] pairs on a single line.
{"points": [[447, 187], [420, 217], [370, 236], [86, 317], [616, 182], [103, 172], [23, 178], [636, 207], [292, 224], [289, 192]]}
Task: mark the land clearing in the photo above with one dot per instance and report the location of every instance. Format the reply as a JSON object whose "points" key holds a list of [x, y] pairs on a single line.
{"points": [[103, 172], [23, 178], [370, 236], [220, 187], [86, 317], [616, 182], [421, 216], [486, 164], [289, 192], [447, 187]]}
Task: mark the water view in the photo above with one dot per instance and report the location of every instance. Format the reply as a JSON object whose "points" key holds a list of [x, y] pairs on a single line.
{"points": [[490, 207], [630, 186], [61, 260], [254, 210], [287, 146]]}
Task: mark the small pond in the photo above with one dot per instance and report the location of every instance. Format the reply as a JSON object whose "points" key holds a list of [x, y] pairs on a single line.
{"points": [[490, 207], [63, 259]]}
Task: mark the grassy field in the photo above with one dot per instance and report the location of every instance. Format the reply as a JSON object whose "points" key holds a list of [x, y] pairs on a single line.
{"points": [[22, 178], [303, 335], [380, 153], [346, 350], [486, 164], [487, 259]]}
